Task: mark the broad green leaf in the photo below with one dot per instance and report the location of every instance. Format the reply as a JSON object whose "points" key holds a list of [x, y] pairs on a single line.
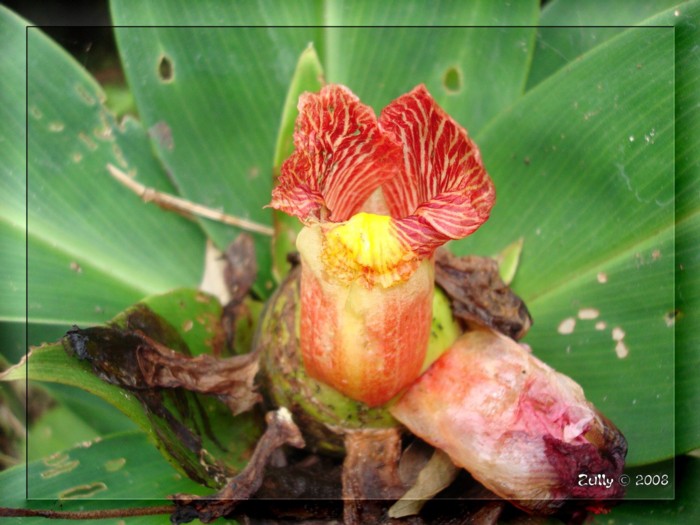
{"points": [[119, 471], [583, 167], [683, 508], [57, 429], [88, 292], [213, 116], [13, 166], [76, 220], [12, 341], [473, 72], [688, 228], [91, 409], [559, 46], [50, 363], [211, 13], [12, 337], [308, 76], [195, 316], [14, 278]]}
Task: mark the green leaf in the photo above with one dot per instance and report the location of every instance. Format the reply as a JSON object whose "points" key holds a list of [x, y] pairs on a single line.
{"points": [[559, 46], [118, 471], [50, 363], [687, 269], [308, 76], [13, 166], [213, 117], [92, 410], [508, 259], [473, 72], [583, 171], [57, 429], [682, 507], [195, 316], [90, 240]]}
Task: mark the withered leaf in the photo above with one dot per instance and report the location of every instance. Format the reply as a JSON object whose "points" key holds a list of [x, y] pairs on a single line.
{"points": [[479, 295], [177, 418], [134, 353], [281, 430], [314, 477], [230, 379]]}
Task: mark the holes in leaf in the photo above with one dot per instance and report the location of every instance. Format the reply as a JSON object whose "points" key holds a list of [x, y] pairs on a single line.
{"points": [[452, 80], [166, 69], [671, 317]]}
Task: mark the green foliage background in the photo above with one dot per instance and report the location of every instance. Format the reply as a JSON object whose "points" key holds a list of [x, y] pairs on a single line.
{"points": [[590, 133]]}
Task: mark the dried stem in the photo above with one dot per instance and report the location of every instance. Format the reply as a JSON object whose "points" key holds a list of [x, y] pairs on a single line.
{"points": [[6, 512], [184, 206], [370, 474]]}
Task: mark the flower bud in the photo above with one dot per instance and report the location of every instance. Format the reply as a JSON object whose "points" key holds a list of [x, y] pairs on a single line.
{"points": [[523, 430]]}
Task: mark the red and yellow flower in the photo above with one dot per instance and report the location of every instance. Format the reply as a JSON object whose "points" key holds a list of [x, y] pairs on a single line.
{"points": [[376, 197]]}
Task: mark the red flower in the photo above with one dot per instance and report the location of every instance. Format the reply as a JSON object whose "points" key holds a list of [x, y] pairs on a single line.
{"points": [[377, 197]]}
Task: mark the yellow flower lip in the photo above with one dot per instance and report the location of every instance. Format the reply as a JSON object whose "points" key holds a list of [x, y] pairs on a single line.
{"points": [[368, 246]]}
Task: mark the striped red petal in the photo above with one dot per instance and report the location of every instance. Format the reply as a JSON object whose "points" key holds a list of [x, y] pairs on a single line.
{"points": [[442, 191], [341, 157]]}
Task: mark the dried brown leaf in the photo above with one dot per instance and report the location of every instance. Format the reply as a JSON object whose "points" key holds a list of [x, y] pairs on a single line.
{"points": [[230, 379], [178, 418], [479, 295], [281, 430]]}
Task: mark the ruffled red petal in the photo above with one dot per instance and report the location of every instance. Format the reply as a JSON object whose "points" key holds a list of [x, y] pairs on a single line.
{"points": [[341, 157], [442, 191]]}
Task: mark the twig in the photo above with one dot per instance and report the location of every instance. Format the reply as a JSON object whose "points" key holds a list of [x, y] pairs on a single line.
{"points": [[6, 512], [184, 206]]}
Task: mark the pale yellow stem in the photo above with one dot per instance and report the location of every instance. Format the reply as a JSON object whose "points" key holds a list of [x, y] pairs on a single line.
{"points": [[184, 206]]}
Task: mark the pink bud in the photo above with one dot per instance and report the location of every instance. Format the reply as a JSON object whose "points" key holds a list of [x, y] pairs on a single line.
{"points": [[523, 430]]}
